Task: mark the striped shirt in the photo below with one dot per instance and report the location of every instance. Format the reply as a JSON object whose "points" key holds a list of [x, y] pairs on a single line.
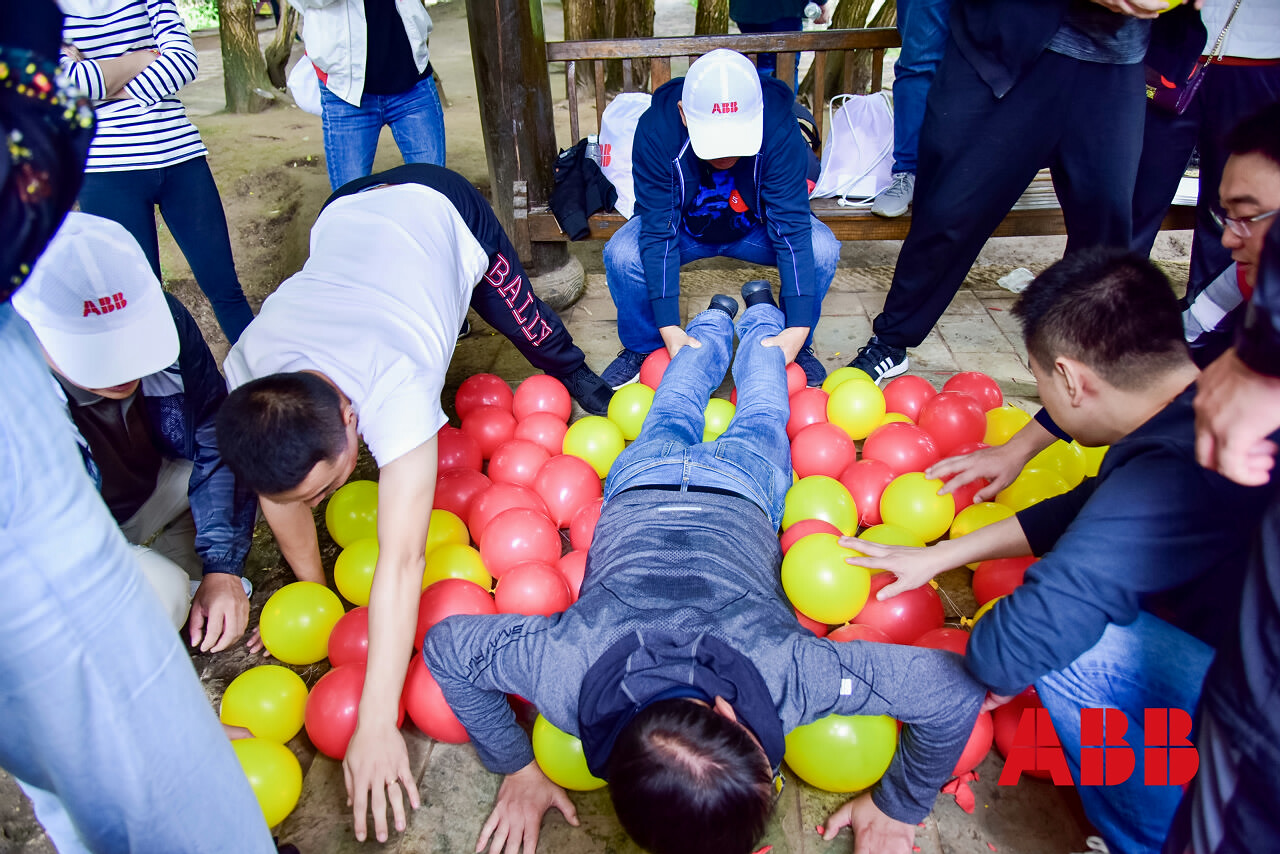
{"points": [[147, 127]]}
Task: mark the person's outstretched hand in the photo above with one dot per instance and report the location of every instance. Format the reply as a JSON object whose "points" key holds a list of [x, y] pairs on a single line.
{"points": [[790, 341], [873, 831], [375, 769], [219, 612], [999, 465], [1236, 409], [675, 339], [912, 566], [517, 816]]}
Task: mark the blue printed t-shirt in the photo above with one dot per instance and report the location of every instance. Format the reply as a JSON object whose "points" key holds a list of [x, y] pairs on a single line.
{"points": [[718, 213]]}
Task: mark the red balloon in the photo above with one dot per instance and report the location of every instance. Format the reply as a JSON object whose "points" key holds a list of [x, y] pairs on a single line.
{"points": [[545, 428], [447, 597], [456, 490], [1005, 720], [953, 419], [822, 448], [495, 499], [906, 616], [866, 480], [490, 426], [566, 483], [541, 393], [349, 640], [979, 386], [804, 528], [808, 406], [907, 394], [518, 535], [853, 632], [427, 707], [332, 706], [819, 629], [968, 449], [796, 379], [653, 367], [532, 588], [995, 578], [952, 640], [517, 461], [582, 527], [573, 567], [482, 390], [455, 449], [978, 746], [903, 447], [963, 496]]}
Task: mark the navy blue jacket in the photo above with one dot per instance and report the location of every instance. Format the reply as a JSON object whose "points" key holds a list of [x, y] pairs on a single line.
{"points": [[1002, 38], [1153, 531], [772, 183]]}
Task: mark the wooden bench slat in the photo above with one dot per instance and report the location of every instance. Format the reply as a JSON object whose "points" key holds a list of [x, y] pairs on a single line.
{"points": [[659, 71], [598, 66], [672, 46], [571, 86]]}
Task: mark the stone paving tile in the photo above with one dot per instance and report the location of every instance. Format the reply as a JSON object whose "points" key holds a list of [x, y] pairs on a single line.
{"points": [[841, 303], [932, 355], [973, 334], [965, 303]]}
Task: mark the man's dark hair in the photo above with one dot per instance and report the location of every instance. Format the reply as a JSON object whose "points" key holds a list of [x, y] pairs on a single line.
{"points": [[272, 431], [1110, 309], [1258, 134], [686, 780]]}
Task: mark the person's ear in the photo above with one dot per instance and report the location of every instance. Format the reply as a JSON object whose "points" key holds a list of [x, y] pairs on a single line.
{"points": [[680, 109], [1078, 380], [724, 710]]}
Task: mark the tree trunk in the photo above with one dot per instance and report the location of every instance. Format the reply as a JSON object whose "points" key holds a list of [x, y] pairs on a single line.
{"points": [[581, 20], [850, 14], [713, 17], [626, 19], [244, 71], [281, 47]]}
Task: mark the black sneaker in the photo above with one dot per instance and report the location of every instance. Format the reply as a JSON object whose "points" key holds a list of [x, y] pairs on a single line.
{"points": [[591, 392], [814, 372], [756, 292], [881, 361], [728, 305], [625, 369]]}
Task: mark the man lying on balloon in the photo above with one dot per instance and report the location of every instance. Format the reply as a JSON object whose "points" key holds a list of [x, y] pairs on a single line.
{"points": [[682, 667], [1140, 567]]}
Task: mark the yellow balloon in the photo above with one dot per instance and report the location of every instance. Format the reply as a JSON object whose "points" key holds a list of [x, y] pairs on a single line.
{"points": [[819, 582], [892, 417], [561, 758], [912, 501], [888, 535], [296, 622], [353, 570], [1032, 487], [446, 527], [1003, 422], [595, 439], [1065, 458], [352, 512], [840, 375], [274, 775], [716, 418], [842, 753], [977, 516], [856, 407], [628, 408], [982, 612], [454, 560], [1173, 4], [820, 497], [268, 700], [1092, 458]]}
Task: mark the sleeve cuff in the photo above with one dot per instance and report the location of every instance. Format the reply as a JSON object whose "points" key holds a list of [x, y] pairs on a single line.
{"points": [[897, 808], [798, 310], [666, 311], [1046, 421]]}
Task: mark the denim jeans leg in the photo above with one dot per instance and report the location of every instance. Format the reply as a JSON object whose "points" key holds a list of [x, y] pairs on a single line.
{"points": [[624, 273], [1147, 664], [417, 123], [924, 27], [757, 248], [350, 136], [129, 198]]}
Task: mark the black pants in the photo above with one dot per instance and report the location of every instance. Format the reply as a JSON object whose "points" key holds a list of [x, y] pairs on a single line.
{"points": [[978, 153], [503, 297], [1227, 95]]}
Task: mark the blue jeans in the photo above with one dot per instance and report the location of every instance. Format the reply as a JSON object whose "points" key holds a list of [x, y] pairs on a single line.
{"points": [[624, 272], [351, 133], [924, 26], [189, 202], [767, 63], [1147, 664], [753, 457], [106, 726]]}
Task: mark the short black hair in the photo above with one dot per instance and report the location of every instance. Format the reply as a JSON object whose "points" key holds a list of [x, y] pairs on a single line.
{"points": [[1111, 309], [273, 430], [1258, 134], [684, 779]]}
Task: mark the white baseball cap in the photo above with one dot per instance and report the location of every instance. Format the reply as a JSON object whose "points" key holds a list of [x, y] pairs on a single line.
{"points": [[96, 307], [723, 106]]}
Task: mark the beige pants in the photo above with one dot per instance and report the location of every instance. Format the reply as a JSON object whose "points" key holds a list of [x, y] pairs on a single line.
{"points": [[165, 535]]}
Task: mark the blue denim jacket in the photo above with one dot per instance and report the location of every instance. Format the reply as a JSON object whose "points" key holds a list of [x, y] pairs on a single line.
{"points": [[180, 404]]}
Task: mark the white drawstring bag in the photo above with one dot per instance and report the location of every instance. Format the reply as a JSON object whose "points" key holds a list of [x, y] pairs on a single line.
{"points": [[617, 133], [304, 86], [857, 157]]}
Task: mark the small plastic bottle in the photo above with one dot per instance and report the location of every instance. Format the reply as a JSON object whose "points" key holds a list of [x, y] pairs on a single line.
{"points": [[593, 148], [812, 11]]}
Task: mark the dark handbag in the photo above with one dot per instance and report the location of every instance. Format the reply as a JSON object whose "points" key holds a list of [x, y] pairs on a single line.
{"points": [[1174, 97]]}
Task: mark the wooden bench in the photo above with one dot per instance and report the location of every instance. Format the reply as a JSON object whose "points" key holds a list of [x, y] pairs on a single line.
{"points": [[1036, 213]]}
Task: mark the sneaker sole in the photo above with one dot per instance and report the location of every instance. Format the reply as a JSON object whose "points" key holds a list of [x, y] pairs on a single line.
{"points": [[890, 213], [895, 371]]}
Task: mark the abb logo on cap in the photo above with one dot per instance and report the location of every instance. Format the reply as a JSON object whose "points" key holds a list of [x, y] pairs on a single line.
{"points": [[726, 107], [105, 305]]}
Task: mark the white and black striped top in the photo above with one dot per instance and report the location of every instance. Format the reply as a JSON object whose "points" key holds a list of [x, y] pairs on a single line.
{"points": [[148, 128]]}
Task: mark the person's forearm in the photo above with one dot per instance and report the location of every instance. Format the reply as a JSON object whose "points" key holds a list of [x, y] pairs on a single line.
{"points": [[1031, 439], [999, 539], [118, 71], [393, 611], [295, 533]]}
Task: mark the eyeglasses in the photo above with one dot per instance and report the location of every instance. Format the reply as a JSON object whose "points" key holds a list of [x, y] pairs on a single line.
{"points": [[1239, 225]]}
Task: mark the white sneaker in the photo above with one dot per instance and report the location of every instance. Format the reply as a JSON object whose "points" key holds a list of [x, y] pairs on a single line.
{"points": [[896, 198]]}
